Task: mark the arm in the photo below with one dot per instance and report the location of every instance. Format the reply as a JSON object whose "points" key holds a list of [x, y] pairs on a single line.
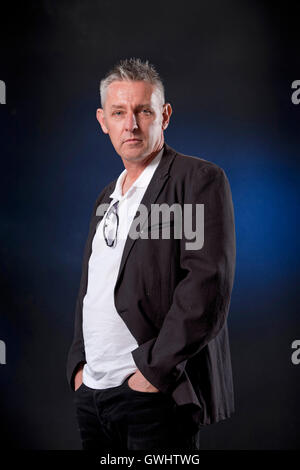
{"points": [[201, 299], [76, 356]]}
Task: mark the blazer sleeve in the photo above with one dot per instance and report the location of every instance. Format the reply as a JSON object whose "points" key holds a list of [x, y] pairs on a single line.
{"points": [[200, 301], [76, 353]]}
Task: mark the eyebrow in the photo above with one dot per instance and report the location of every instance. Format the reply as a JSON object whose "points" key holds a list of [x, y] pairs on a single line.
{"points": [[118, 106]]}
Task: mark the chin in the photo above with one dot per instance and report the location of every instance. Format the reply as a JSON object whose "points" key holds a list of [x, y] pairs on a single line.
{"points": [[134, 154]]}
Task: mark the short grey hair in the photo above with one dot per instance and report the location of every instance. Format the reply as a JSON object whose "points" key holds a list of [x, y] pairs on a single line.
{"points": [[132, 70]]}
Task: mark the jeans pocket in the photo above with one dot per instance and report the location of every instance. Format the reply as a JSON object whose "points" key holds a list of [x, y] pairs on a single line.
{"points": [[141, 393]]}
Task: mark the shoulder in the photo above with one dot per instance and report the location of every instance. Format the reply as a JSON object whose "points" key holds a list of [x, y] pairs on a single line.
{"points": [[197, 177], [190, 167]]}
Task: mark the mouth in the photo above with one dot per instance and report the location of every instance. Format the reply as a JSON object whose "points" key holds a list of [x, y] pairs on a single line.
{"points": [[133, 140]]}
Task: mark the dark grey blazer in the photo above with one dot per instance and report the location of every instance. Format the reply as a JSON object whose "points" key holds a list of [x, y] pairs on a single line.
{"points": [[175, 301]]}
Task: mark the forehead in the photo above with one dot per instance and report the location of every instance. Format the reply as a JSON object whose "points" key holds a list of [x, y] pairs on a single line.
{"points": [[127, 92]]}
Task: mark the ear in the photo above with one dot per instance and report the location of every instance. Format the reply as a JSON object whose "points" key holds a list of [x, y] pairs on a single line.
{"points": [[167, 111], [101, 119]]}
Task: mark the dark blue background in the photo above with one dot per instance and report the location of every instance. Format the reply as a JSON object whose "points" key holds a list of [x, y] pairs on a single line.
{"points": [[227, 68]]}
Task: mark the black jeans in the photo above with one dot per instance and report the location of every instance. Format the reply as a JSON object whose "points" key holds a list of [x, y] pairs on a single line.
{"points": [[120, 418]]}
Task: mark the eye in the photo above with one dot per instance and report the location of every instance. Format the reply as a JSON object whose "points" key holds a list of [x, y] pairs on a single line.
{"points": [[117, 113], [147, 111]]}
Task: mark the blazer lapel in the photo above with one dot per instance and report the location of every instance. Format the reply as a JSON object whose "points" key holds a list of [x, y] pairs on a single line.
{"points": [[155, 186]]}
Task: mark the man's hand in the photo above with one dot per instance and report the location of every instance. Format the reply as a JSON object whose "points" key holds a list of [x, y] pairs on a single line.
{"points": [[78, 377], [139, 383]]}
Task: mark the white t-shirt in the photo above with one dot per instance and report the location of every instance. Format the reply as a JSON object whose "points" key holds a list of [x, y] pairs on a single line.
{"points": [[107, 340]]}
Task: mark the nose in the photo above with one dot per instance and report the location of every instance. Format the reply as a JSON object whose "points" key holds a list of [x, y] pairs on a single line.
{"points": [[130, 122]]}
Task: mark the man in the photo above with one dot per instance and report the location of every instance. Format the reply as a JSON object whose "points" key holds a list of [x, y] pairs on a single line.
{"points": [[150, 359]]}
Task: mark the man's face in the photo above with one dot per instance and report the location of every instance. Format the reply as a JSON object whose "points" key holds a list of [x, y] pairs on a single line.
{"points": [[134, 118]]}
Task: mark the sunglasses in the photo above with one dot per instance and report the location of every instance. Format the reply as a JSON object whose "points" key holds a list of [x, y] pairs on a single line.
{"points": [[110, 225]]}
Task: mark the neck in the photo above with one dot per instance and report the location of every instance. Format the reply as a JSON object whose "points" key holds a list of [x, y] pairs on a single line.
{"points": [[134, 169]]}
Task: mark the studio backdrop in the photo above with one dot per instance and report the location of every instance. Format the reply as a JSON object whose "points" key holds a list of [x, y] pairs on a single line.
{"points": [[231, 73]]}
